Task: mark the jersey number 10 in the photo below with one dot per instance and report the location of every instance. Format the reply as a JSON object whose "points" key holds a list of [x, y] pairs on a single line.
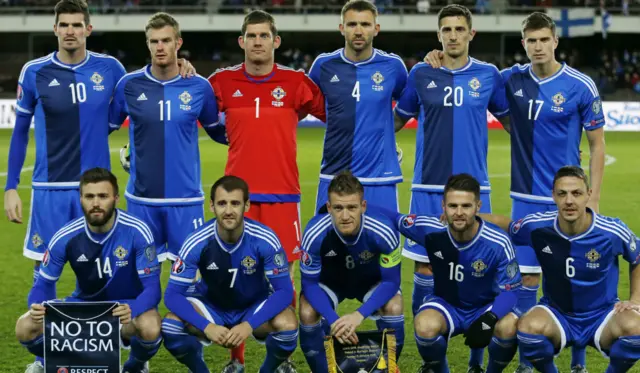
{"points": [[78, 92]]}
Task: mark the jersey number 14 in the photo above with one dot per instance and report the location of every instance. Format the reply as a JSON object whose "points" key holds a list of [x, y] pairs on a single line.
{"points": [[104, 270]]}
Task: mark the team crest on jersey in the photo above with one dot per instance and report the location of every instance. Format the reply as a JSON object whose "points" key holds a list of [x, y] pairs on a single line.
{"points": [[474, 83], [593, 257], [306, 259], [377, 78], [409, 220], [596, 107], [46, 258], [278, 93], [120, 252], [36, 240], [97, 81], [249, 265], [279, 259], [516, 226], [479, 267], [178, 266], [558, 100], [366, 256], [185, 97]]}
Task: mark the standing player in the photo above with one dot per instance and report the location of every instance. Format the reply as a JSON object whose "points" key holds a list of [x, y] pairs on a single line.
{"points": [[359, 84], [475, 274], [349, 253], [578, 251], [244, 287], [164, 188], [451, 106], [114, 259], [68, 92], [550, 103], [262, 102]]}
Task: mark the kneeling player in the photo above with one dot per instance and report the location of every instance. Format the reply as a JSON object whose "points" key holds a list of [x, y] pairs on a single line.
{"points": [[348, 254], [475, 274], [106, 248], [578, 250], [239, 260]]}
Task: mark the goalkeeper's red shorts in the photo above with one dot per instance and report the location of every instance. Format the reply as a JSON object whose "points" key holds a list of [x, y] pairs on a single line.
{"points": [[284, 219]]}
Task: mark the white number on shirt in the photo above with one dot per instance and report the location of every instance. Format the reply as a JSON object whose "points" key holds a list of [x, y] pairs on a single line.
{"points": [[458, 95], [349, 262], [571, 270], [104, 270], [162, 104], [538, 104], [455, 272], [257, 100], [356, 91], [235, 273], [78, 92], [197, 223]]}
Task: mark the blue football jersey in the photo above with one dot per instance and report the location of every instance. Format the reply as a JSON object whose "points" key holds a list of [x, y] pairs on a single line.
{"points": [[580, 273], [163, 134], [70, 104], [233, 277], [358, 101], [350, 267], [547, 118], [451, 109], [108, 266], [470, 274]]}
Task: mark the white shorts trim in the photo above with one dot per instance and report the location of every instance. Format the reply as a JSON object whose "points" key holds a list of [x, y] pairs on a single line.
{"points": [[376, 315], [530, 269], [444, 311], [563, 334], [32, 254], [596, 337], [415, 257], [331, 294], [167, 255], [205, 313]]}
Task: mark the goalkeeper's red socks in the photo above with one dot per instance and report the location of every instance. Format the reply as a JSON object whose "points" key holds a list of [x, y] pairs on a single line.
{"points": [[238, 353]]}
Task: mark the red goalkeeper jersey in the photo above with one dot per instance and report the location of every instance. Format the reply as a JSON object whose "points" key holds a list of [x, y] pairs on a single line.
{"points": [[261, 119]]}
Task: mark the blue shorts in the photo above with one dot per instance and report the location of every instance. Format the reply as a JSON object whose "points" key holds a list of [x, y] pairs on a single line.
{"points": [[170, 225], [225, 318], [525, 255], [336, 297], [50, 210], [458, 319], [430, 203], [385, 196], [580, 331]]}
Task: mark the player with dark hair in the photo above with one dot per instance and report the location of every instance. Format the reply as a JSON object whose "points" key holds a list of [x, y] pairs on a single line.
{"points": [[244, 287], [475, 275], [262, 102], [348, 253], [550, 104], [450, 104], [359, 83], [114, 259], [164, 188], [578, 251]]}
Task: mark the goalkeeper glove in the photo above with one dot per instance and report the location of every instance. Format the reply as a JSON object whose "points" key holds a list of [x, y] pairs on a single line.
{"points": [[399, 153], [480, 332], [125, 158]]}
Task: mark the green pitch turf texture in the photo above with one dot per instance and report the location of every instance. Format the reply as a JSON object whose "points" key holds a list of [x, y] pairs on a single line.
{"points": [[619, 198]]}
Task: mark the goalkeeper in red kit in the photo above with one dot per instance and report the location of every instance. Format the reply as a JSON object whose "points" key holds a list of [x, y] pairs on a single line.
{"points": [[263, 102]]}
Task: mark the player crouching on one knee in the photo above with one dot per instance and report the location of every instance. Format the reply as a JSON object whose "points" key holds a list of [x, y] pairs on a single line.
{"points": [[475, 275], [124, 246], [348, 253], [578, 251], [239, 260]]}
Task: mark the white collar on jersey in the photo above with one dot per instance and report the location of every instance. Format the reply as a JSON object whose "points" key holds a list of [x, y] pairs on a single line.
{"points": [[113, 229], [362, 219], [54, 59], [463, 68], [358, 63], [147, 73], [556, 226], [457, 245], [224, 246], [549, 78]]}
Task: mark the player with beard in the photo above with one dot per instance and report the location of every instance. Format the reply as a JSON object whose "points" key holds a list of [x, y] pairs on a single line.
{"points": [[244, 287], [475, 275], [106, 249], [359, 83], [164, 188]]}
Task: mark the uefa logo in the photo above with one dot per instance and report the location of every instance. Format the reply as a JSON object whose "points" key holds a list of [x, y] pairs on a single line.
{"points": [[63, 370]]}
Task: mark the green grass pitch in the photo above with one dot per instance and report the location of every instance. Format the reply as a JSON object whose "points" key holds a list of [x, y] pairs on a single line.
{"points": [[619, 198]]}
